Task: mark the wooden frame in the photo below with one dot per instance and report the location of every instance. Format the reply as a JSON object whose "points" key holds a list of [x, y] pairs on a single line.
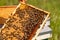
{"points": [[38, 31]]}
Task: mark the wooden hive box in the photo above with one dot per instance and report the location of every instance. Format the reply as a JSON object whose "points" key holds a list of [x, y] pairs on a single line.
{"points": [[37, 27], [5, 11]]}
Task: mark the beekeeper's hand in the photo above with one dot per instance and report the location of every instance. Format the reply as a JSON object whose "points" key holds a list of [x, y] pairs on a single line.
{"points": [[23, 1]]}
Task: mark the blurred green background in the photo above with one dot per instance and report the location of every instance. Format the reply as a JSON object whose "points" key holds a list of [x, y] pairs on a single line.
{"points": [[52, 6]]}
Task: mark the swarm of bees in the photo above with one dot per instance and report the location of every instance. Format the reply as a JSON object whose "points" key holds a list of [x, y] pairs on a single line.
{"points": [[21, 25]]}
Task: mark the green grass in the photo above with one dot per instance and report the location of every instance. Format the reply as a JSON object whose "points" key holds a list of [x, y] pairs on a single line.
{"points": [[8, 2], [52, 6]]}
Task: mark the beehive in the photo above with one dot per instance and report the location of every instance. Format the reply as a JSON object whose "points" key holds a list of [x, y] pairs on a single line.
{"points": [[23, 23], [5, 12]]}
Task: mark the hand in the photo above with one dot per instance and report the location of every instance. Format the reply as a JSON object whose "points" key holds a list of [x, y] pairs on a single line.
{"points": [[22, 1]]}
